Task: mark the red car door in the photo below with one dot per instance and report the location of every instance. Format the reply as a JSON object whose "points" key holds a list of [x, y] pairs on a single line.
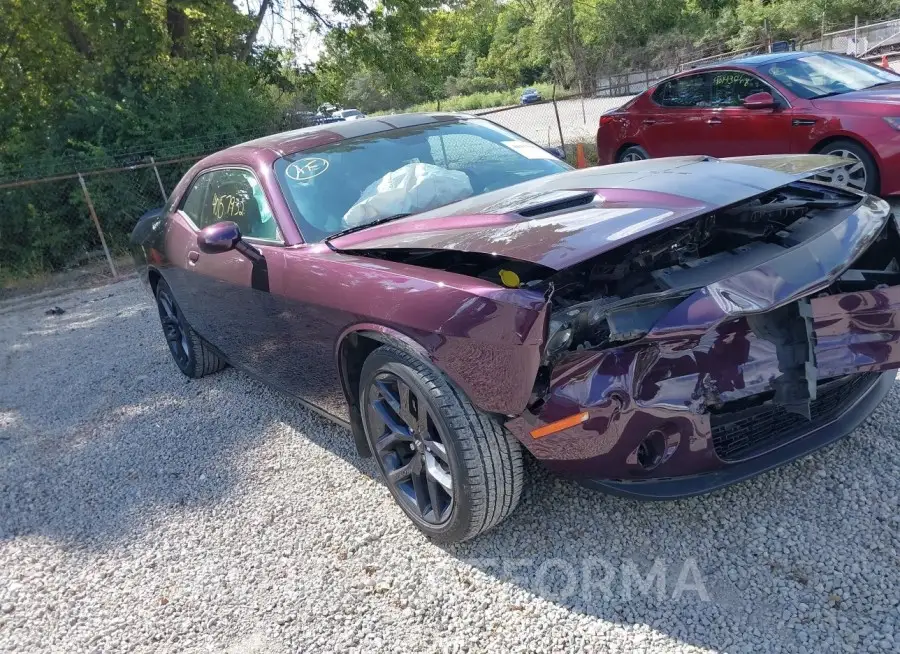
{"points": [[736, 130], [679, 122]]}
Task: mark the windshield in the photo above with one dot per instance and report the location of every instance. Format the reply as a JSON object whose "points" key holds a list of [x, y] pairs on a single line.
{"points": [[409, 170], [819, 75]]}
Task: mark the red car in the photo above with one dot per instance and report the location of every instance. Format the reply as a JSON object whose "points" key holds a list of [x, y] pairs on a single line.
{"points": [[793, 102]]}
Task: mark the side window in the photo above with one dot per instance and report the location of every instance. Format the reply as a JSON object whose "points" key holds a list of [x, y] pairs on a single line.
{"points": [[729, 88], [235, 194], [192, 205], [690, 91]]}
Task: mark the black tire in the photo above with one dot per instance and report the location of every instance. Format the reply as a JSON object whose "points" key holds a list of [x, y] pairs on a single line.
{"points": [[841, 147], [484, 460], [632, 153], [189, 352]]}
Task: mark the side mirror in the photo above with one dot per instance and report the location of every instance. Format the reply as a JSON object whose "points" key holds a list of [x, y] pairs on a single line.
{"points": [[762, 100], [559, 153], [225, 237], [219, 238]]}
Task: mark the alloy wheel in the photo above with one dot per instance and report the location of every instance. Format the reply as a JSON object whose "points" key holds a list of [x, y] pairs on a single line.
{"points": [[853, 175], [631, 156], [410, 448], [173, 328]]}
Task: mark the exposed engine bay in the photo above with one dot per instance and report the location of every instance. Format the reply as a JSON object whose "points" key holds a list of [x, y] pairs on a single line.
{"points": [[617, 297]]}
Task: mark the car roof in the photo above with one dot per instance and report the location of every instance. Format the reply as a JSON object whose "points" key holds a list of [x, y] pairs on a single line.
{"points": [[292, 141], [754, 61], [268, 148], [768, 58]]}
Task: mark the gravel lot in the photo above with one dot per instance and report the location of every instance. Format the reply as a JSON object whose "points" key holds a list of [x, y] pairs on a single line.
{"points": [[537, 122], [140, 511]]}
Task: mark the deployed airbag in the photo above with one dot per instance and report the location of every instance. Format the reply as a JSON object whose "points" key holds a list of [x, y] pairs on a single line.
{"points": [[413, 188]]}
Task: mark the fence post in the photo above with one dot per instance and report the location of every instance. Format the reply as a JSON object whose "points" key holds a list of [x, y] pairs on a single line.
{"points": [[856, 36], [87, 198], [162, 189], [583, 114], [562, 143]]}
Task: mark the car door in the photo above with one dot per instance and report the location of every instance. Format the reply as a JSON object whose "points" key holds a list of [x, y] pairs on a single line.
{"points": [[226, 298], [737, 130], [678, 123]]}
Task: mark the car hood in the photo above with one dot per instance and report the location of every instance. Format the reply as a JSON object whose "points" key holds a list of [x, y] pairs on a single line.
{"points": [[889, 94], [563, 219]]}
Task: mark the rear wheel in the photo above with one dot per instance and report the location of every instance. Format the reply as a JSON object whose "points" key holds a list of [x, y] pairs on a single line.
{"points": [[632, 153], [192, 356], [860, 173], [455, 471]]}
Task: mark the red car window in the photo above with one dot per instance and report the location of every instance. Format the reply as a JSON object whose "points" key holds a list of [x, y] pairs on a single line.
{"points": [[688, 91], [730, 87]]}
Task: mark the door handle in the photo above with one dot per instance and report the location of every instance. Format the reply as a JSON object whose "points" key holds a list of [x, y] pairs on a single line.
{"points": [[713, 121], [648, 121], [193, 256]]}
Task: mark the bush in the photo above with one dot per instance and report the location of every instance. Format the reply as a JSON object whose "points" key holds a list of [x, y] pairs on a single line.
{"points": [[482, 100], [173, 110]]}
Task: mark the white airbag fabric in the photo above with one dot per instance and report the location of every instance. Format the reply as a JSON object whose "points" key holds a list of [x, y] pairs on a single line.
{"points": [[413, 188]]}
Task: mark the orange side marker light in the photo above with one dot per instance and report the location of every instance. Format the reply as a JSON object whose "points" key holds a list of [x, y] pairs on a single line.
{"points": [[559, 425]]}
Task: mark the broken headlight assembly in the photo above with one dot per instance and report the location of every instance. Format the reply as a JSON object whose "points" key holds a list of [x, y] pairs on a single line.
{"points": [[579, 326]]}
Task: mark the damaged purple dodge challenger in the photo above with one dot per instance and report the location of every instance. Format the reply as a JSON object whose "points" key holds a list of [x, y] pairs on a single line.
{"points": [[453, 294]]}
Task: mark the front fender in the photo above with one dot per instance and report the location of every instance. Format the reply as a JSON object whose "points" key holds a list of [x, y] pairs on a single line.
{"points": [[489, 349]]}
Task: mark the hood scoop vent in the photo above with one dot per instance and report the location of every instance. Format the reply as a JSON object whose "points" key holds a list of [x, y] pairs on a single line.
{"points": [[558, 205], [536, 203]]}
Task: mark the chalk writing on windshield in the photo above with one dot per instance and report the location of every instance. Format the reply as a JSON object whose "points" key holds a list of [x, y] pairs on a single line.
{"points": [[304, 169]]}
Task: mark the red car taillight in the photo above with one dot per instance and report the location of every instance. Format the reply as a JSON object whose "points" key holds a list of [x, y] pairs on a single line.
{"points": [[606, 119]]}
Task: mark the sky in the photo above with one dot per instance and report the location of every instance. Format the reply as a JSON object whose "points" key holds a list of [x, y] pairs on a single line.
{"points": [[291, 26]]}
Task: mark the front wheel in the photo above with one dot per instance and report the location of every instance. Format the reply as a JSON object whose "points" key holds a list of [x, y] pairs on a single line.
{"points": [[632, 153], [454, 470], [860, 173]]}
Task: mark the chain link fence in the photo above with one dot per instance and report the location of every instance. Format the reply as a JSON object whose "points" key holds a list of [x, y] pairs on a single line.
{"points": [[62, 213], [561, 122], [69, 220]]}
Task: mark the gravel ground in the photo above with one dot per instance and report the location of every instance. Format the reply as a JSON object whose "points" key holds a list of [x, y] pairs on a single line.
{"points": [[141, 511], [537, 122]]}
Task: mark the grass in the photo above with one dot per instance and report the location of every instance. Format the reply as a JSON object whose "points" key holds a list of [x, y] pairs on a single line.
{"points": [[475, 101]]}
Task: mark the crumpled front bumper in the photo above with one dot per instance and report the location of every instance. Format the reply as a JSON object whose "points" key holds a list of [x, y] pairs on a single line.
{"points": [[712, 353]]}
